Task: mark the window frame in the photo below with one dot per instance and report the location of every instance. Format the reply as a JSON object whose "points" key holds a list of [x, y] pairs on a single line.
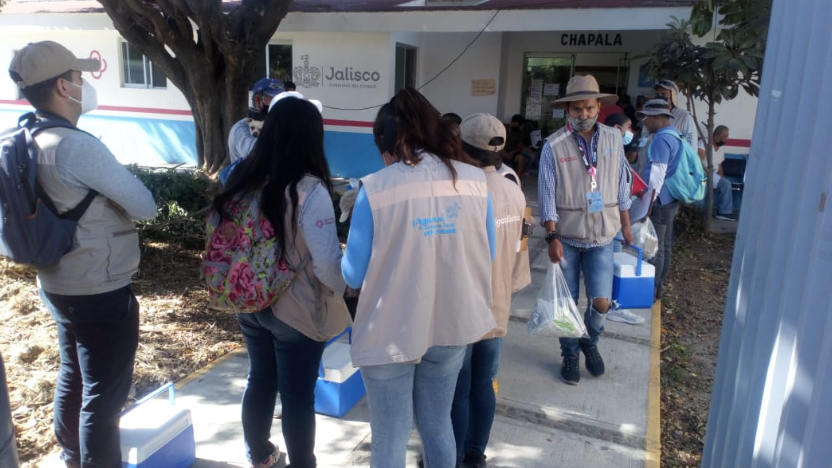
{"points": [[149, 70]]}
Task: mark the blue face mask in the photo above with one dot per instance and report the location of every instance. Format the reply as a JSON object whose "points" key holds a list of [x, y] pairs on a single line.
{"points": [[627, 138]]}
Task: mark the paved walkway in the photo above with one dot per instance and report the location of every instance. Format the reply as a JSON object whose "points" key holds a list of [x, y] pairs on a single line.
{"points": [[612, 421]]}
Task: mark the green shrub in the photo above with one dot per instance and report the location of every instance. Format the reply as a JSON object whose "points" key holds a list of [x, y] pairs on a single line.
{"points": [[182, 197]]}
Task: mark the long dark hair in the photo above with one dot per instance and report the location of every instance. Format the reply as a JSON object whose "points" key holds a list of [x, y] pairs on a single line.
{"points": [[290, 145], [417, 125]]}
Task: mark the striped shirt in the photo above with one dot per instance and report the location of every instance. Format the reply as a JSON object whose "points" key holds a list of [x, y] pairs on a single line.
{"points": [[548, 183]]}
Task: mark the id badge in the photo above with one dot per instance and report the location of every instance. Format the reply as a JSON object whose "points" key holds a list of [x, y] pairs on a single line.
{"points": [[596, 203]]}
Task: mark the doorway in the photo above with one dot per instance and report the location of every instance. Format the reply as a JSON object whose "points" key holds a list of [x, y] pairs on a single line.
{"points": [[544, 80]]}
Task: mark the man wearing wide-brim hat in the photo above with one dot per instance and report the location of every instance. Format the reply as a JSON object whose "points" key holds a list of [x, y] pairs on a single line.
{"points": [[584, 198], [664, 146]]}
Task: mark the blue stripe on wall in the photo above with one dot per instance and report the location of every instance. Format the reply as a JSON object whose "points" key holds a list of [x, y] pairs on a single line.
{"points": [[351, 154], [155, 141]]}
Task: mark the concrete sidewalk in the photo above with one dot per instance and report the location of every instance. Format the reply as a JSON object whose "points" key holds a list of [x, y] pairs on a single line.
{"points": [[612, 421], [541, 422]]}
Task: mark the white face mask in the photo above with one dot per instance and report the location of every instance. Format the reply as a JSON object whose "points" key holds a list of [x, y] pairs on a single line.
{"points": [[627, 138], [89, 98]]}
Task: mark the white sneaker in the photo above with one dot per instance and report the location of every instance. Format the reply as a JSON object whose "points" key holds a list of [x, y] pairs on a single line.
{"points": [[625, 316], [278, 408]]}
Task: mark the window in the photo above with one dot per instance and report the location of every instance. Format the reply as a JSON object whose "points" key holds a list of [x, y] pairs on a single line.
{"points": [[405, 67], [139, 72], [276, 60], [279, 61]]}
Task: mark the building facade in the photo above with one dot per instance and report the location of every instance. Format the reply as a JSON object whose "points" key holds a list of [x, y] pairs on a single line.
{"points": [[502, 57]]}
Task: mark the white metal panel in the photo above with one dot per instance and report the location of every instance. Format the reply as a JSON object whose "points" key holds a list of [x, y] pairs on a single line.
{"points": [[772, 399]]}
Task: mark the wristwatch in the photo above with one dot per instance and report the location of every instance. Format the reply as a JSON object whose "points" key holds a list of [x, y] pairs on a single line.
{"points": [[550, 236]]}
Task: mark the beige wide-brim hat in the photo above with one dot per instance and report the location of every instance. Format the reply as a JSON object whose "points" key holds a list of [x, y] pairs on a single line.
{"points": [[582, 87]]}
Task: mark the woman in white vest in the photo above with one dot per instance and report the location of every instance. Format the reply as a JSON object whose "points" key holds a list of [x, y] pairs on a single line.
{"points": [[420, 248], [285, 342]]}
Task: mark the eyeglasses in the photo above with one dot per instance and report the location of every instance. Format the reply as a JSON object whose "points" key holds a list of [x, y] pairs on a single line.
{"points": [[666, 83]]}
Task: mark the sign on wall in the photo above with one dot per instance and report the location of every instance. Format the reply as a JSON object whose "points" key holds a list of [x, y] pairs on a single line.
{"points": [[335, 75], [483, 87]]}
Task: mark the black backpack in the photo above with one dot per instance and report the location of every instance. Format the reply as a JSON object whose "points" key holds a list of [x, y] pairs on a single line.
{"points": [[32, 231]]}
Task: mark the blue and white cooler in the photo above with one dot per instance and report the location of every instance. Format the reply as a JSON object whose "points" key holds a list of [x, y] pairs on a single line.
{"points": [[157, 434], [634, 281], [340, 385]]}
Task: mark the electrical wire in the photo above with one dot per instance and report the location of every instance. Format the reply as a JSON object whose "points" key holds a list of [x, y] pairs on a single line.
{"points": [[435, 76]]}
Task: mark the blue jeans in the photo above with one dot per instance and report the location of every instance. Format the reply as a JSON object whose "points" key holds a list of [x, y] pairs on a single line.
{"points": [[8, 447], [283, 359], [724, 197], [662, 217], [397, 392], [97, 335], [472, 413], [597, 266]]}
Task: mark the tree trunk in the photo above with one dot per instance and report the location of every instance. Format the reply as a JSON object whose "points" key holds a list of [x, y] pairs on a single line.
{"points": [[709, 171], [205, 52], [218, 104]]}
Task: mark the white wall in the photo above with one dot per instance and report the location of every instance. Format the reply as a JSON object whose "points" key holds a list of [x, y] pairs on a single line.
{"points": [[107, 45], [451, 91], [366, 53]]}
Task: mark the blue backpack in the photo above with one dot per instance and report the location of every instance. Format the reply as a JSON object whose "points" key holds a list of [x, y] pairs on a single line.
{"points": [[687, 184], [32, 231]]}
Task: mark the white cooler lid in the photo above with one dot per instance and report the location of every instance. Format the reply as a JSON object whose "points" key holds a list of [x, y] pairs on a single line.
{"points": [[337, 362], [625, 266], [146, 429]]}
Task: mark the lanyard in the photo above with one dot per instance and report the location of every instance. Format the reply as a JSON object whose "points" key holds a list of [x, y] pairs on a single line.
{"points": [[591, 166]]}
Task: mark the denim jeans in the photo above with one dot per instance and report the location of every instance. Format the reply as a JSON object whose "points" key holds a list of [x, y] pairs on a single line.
{"points": [[8, 447], [724, 197], [472, 413], [97, 335], [283, 359], [398, 392], [662, 217], [596, 263]]}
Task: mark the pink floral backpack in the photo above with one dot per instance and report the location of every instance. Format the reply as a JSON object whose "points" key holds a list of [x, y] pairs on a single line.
{"points": [[240, 263]]}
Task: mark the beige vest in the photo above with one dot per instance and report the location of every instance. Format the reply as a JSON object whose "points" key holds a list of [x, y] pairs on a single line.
{"points": [[429, 278], [105, 251], [509, 204], [573, 184], [308, 306]]}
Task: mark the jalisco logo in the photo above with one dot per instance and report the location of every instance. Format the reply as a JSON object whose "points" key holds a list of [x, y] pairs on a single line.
{"points": [[346, 77], [307, 76]]}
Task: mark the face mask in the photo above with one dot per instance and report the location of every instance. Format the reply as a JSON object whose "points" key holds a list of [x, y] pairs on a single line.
{"points": [[89, 98], [581, 125], [627, 138], [720, 143]]}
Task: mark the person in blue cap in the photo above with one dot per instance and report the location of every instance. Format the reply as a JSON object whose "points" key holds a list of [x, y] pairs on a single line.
{"points": [[244, 133]]}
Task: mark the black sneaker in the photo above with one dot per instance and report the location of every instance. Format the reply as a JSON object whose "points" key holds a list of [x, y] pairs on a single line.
{"points": [[570, 371], [594, 362], [474, 462]]}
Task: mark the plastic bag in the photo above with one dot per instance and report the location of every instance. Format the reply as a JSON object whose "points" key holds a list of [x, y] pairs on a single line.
{"points": [[555, 313], [644, 236]]}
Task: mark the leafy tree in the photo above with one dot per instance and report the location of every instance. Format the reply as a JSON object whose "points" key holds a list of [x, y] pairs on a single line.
{"points": [[206, 52], [713, 72]]}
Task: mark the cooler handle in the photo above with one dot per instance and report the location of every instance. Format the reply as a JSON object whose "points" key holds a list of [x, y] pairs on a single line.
{"points": [[640, 252], [638, 262], [171, 396]]}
